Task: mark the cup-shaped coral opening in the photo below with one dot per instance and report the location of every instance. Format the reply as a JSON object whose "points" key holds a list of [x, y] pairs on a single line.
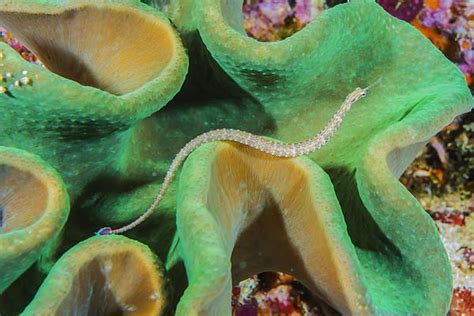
{"points": [[280, 219], [23, 198], [113, 48], [118, 283], [33, 209], [273, 214], [105, 276]]}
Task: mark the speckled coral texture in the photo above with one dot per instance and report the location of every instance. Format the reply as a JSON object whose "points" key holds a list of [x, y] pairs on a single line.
{"points": [[286, 90]]}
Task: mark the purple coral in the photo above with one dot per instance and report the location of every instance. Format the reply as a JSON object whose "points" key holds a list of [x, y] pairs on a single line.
{"points": [[405, 10], [272, 20], [451, 18], [304, 11]]}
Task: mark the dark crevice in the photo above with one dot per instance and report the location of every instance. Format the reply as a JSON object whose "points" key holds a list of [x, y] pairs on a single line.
{"points": [[412, 108], [363, 230], [272, 250]]}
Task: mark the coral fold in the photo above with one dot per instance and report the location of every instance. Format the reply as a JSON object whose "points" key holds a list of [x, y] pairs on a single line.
{"points": [[34, 206], [118, 98], [103, 276]]}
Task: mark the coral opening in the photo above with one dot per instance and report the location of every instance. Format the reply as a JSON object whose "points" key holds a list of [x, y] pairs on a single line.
{"points": [[96, 47], [272, 221], [111, 285], [23, 198]]}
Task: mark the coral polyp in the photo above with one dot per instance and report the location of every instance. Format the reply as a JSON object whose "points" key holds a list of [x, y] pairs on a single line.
{"points": [[123, 86]]}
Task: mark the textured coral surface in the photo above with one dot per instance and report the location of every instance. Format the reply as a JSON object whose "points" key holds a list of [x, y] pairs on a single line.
{"points": [[108, 91], [441, 177]]}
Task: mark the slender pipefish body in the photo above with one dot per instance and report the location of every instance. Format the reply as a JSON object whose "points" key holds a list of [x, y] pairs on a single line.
{"points": [[283, 150]]}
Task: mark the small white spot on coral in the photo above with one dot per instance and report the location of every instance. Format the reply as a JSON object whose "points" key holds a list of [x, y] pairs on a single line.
{"points": [[154, 296], [25, 80], [107, 267], [130, 308]]}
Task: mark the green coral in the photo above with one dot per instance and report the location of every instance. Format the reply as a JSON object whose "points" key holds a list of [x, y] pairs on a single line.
{"points": [[34, 206], [83, 130], [113, 157], [123, 276]]}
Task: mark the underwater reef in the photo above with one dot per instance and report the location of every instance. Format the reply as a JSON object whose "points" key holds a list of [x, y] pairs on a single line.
{"points": [[118, 87], [441, 177]]}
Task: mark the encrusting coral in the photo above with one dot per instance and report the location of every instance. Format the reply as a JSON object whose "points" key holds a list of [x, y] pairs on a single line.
{"points": [[103, 276], [332, 211], [34, 206]]}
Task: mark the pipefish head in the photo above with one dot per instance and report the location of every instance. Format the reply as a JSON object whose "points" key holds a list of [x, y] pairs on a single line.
{"points": [[356, 95], [359, 93]]}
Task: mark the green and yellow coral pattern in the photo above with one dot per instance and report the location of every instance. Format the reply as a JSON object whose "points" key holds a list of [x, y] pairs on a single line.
{"points": [[122, 86]]}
